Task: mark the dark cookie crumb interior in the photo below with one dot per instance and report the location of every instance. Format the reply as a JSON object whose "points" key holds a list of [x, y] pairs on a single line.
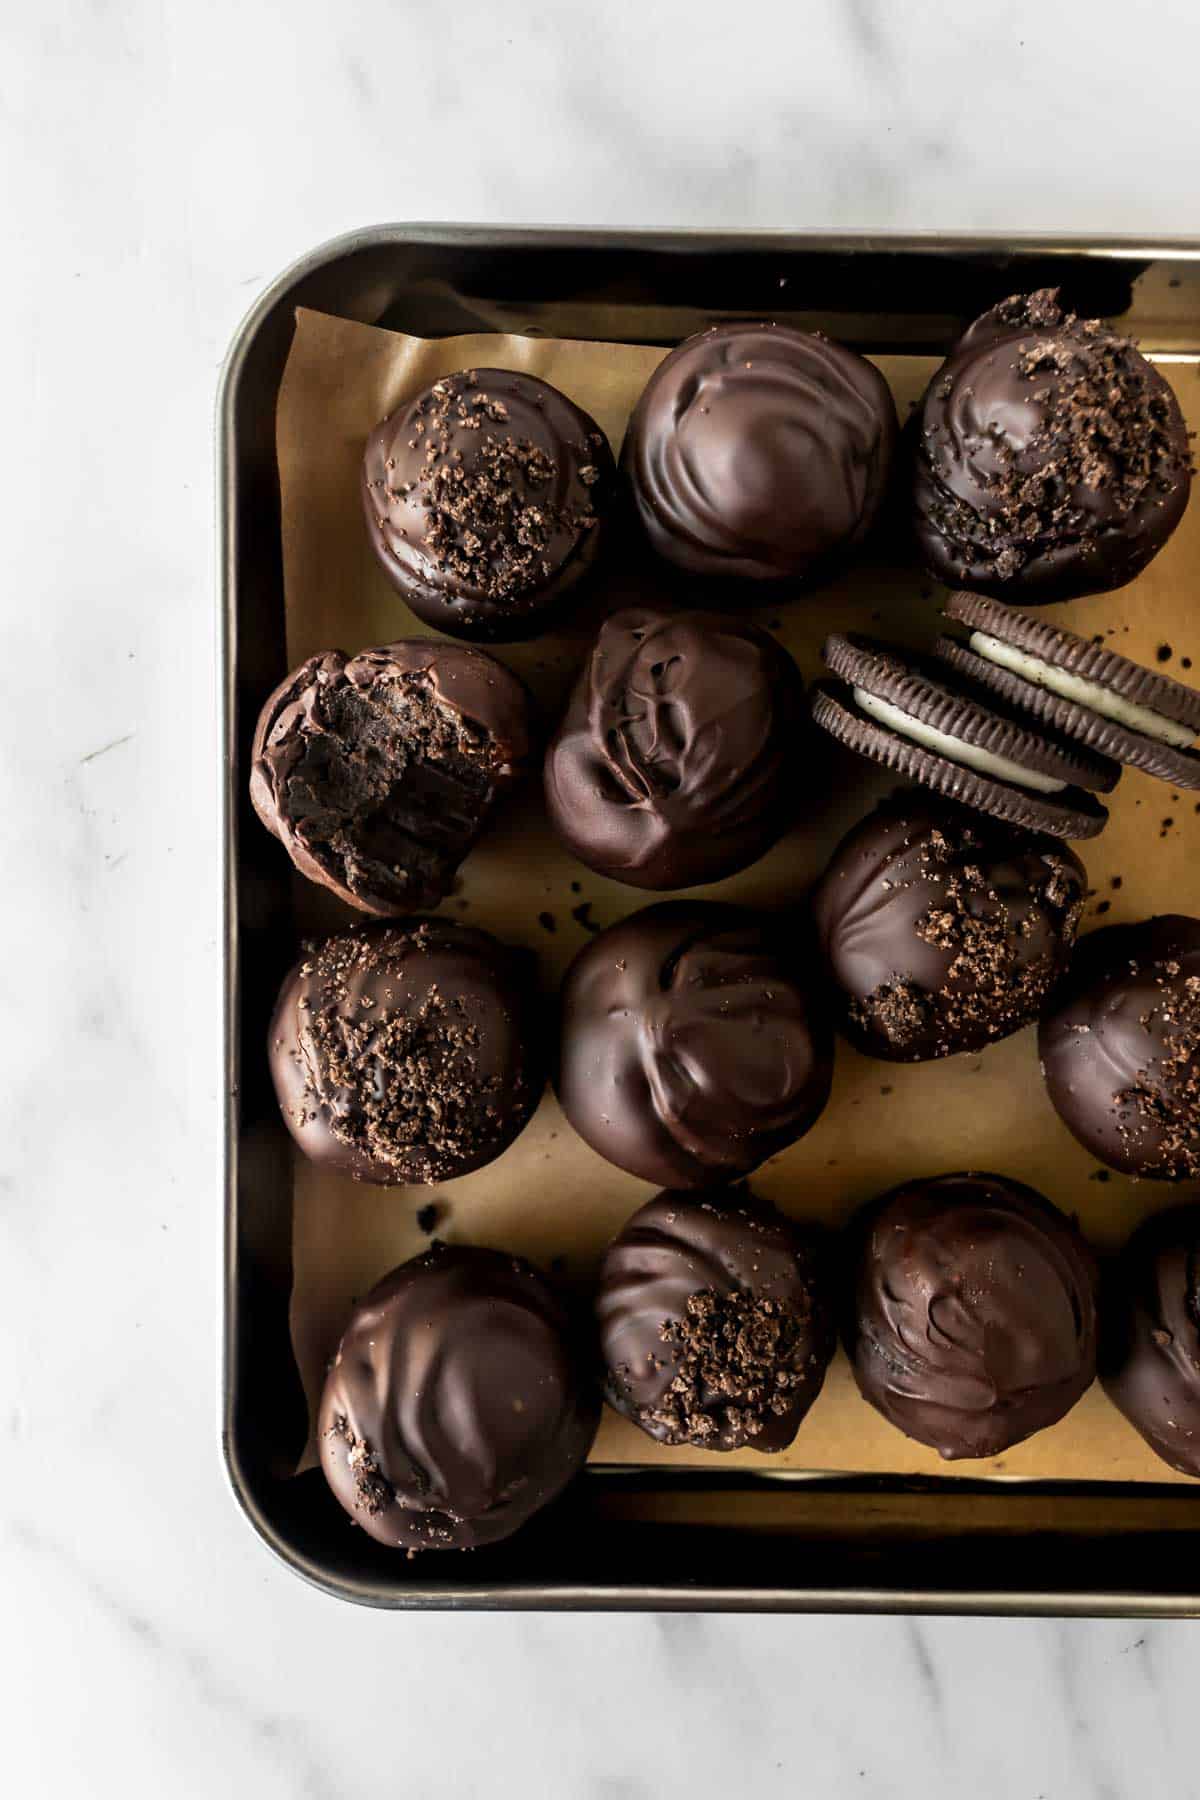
{"points": [[391, 790]]}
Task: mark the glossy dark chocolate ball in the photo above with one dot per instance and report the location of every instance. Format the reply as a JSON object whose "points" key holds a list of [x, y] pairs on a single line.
{"points": [[678, 759], [1121, 1048], [485, 500], [458, 1404], [695, 1042], [407, 1053], [1150, 1350], [1051, 458], [973, 1318], [760, 453], [944, 930], [715, 1321]]}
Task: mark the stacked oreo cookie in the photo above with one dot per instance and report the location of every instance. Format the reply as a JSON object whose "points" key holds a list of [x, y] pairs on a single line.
{"points": [[1024, 720]]}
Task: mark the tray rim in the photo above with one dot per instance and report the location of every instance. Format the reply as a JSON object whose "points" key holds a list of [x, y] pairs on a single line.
{"points": [[570, 1596]]}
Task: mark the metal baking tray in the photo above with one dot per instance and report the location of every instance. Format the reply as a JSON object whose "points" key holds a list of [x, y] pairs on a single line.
{"points": [[622, 1538]]}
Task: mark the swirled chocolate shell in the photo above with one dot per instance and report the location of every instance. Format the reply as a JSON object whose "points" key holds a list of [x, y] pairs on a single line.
{"points": [[676, 761], [695, 1042], [485, 496], [1052, 459], [1150, 1347], [407, 1053], [458, 1403], [378, 773], [760, 453], [973, 1322], [944, 930], [1121, 1048], [715, 1321]]}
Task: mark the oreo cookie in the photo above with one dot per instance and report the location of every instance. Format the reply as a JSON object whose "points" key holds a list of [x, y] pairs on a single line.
{"points": [[1078, 688], [903, 710]]}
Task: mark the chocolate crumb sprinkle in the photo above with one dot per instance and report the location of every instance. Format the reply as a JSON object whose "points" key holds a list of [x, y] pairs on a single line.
{"points": [[737, 1358]]}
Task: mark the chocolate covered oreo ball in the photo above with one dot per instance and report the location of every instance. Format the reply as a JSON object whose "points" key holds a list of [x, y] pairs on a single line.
{"points": [[973, 1320], [944, 931], [760, 453], [407, 1053], [677, 760], [694, 1042], [484, 498], [1051, 459], [1121, 1048], [377, 773], [1150, 1348], [458, 1403], [715, 1322]]}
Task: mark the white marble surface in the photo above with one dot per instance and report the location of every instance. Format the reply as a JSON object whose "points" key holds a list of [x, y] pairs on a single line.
{"points": [[161, 160]]}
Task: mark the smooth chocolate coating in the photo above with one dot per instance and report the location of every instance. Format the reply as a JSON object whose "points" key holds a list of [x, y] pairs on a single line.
{"points": [[378, 773], [1150, 1343], [1051, 459], [760, 453], [695, 1042], [484, 498], [458, 1403], [974, 1312], [677, 760], [1121, 1049], [945, 931], [715, 1321], [407, 1053]]}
